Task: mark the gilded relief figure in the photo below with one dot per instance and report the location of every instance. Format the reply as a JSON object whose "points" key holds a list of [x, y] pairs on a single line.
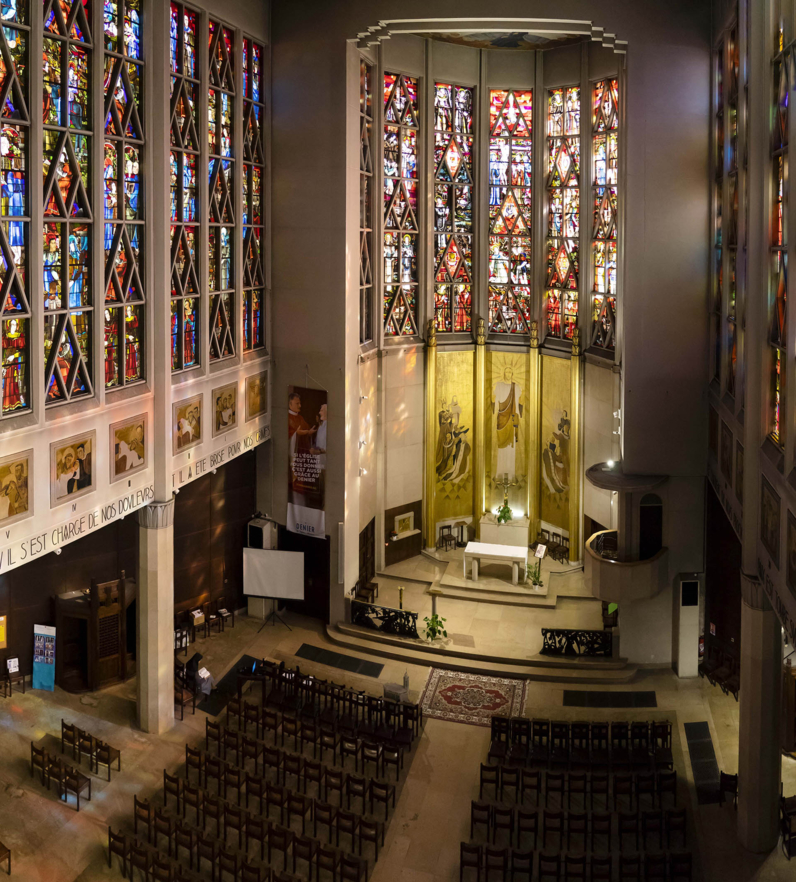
{"points": [[555, 457], [453, 448], [506, 404]]}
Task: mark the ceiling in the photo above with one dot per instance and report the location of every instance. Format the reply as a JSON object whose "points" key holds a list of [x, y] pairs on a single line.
{"points": [[503, 39]]}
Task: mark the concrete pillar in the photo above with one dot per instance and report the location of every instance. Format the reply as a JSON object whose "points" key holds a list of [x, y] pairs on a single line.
{"points": [[429, 517], [534, 400], [155, 632], [575, 450], [479, 459], [759, 728]]}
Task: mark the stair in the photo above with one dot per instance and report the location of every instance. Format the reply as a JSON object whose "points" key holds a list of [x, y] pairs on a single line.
{"points": [[595, 671]]}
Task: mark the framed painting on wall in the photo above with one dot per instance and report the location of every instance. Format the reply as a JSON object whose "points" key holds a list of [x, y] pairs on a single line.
{"points": [[128, 439], [73, 468], [769, 520], [225, 408], [186, 424], [404, 523], [16, 486], [256, 395]]}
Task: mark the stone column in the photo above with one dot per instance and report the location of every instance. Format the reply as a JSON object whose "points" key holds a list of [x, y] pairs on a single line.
{"points": [[155, 633], [479, 404], [429, 518], [534, 406], [575, 458], [759, 726]]}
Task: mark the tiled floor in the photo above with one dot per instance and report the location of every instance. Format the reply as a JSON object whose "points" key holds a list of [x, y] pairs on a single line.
{"points": [[52, 843]]}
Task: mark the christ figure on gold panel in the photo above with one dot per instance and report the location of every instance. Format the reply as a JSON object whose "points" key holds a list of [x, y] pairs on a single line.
{"points": [[506, 404]]}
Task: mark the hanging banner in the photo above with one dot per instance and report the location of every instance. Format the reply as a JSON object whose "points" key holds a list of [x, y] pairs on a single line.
{"points": [[306, 472], [43, 657]]}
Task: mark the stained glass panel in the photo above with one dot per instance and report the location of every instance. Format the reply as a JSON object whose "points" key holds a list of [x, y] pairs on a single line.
{"points": [[563, 194], [779, 242], [221, 191], [123, 229], [183, 186], [400, 249], [365, 201]]}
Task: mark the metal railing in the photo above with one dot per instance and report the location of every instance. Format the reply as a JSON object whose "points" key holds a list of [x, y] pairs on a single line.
{"points": [[606, 544], [402, 622], [563, 641]]}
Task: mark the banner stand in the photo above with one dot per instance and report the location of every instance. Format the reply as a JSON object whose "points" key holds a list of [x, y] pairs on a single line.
{"points": [[43, 658]]}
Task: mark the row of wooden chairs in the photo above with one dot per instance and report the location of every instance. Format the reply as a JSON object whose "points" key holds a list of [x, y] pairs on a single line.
{"points": [[228, 741], [640, 745], [652, 785], [83, 743], [67, 779], [216, 616], [588, 825], [722, 669], [283, 763], [504, 864]]}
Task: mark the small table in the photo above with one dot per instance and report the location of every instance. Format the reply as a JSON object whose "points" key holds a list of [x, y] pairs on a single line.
{"points": [[487, 553], [396, 692]]}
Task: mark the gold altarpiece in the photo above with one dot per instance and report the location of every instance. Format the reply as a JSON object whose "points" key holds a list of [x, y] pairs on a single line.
{"points": [[494, 412]]}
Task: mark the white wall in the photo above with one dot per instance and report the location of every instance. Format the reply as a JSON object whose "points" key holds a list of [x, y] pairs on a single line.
{"points": [[403, 426]]}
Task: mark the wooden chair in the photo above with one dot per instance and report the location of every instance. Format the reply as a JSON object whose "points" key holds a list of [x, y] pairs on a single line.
{"points": [[496, 860], [522, 864], [499, 742], [356, 787], [69, 737], [327, 859], [531, 781], [313, 773], [576, 786], [577, 825], [228, 862], [446, 538], [231, 743], [162, 825], [299, 806], [675, 823], [553, 823], [728, 784], [172, 786], [623, 787], [555, 782], [599, 787], [667, 784], [490, 777], [182, 696], [5, 855], [549, 867], [86, 746], [193, 797], [575, 868], [226, 615], [324, 814], [628, 826], [601, 826], [292, 765], [105, 755], [480, 815], [39, 760], [212, 808], [510, 779], [10, 678], [76, 782], [601, 868], [279, 839], [654, 867], [184, 837], [277, 797], [502, 819], [214, 733], [527, 824], [212, 620], [234, 819], [119, 845], [206, 849], [381, 791], [680, 867], [140, 859], [234, 778], [352, 869], [269, 722], [252, 872], [142, 812], [652, 822], [256, 829], [193, 760], [471, 857], [333, 780], [347, 822]]}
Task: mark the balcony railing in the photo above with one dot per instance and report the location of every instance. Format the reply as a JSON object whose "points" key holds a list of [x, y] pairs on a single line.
{"points": [[622, 581], [563, 641], [402, 622]]}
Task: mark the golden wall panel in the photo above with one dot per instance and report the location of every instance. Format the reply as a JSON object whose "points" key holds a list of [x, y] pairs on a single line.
{"points": [[555, 471], [506, 425], [453, 441]]}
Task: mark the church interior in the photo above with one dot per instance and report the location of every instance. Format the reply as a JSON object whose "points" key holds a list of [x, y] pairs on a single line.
{"points": [[414, 387]]}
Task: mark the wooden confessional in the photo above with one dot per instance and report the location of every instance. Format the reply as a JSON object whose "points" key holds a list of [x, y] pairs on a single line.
{"points": [[95, 630]]}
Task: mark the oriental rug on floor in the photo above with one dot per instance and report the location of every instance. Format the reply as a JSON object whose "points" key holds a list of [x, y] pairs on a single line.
{"points": [[471, 698]]}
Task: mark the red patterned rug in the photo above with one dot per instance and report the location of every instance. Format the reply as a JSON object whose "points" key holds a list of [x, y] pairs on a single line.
{"points": [[471, 698]]}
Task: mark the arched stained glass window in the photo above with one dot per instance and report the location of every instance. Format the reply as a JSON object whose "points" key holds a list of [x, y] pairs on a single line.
{"points": [[14, 211], [605, 202], [401, 131], [563, 193], [510, 207], [68, 296], [123, 205], [184, 160], [365, 201], [221, 189], [453, 207], [253, 195]]}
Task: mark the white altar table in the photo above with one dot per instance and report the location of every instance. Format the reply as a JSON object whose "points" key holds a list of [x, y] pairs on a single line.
{"points": [[485, 552]]}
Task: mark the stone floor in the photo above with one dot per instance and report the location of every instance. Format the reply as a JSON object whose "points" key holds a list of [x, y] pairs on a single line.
{"points": [[53, 843]]}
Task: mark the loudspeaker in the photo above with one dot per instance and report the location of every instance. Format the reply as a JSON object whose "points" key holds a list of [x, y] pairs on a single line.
{"points": [[261, 533], [690, 592]]}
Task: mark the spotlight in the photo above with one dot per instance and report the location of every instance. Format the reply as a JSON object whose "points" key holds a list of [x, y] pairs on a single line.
{"points": [[362, 472], [363, 398], [610, 463], [57, 550], [215, 471]]}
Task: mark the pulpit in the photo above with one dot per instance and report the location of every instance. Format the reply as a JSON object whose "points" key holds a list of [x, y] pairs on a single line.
{"points": [[95, 630]]}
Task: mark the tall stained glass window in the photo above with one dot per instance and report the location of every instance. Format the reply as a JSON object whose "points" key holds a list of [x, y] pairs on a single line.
{"points": [[68, 298], [14, 210], [510, 203], [221, 189], [124, 208], [253, 195], [365, 201], [779, 237], [733, 70], [718, 189], [605, 199], [453, 207], [563, 193], [401, 130], [184, 159]]}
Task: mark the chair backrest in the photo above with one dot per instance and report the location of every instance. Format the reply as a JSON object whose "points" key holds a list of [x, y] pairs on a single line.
{"points": [[628, 822], [559, 733], [580, 735], [623, 784], [549, 865], [654, 867], [601, 823], [68, 732], [652, 820], [500, 728], [577, 782], [640, 733], [142, 809], [489, 774], [575, 867], [540, 731], [554, 783], [728, 783], [662, 733], [527, 822], [496, 858], [601, 868], [553, 820], [680, 866], [599, 735], [599, 783], [471, 855], [629, 868], [620, 734]]}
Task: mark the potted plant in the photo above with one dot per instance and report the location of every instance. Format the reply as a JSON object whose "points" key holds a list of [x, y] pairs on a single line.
{"points": [[504, 514], [533, 572], [435, 627]]}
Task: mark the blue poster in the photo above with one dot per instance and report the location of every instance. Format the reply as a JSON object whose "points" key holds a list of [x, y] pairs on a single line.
{"points": [[43, 657]]}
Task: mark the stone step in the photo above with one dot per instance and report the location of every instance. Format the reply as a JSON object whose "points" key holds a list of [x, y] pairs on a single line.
{"points": [[517, 597], [542, 668]]}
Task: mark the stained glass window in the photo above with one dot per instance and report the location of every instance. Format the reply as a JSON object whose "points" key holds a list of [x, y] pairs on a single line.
{"points": [[733, 71], [605, 200], [124, 209], [221, 190], [253, 195], [779, 237], [184, 161], [14, 210], [401, 131], [563, 194], [510, 204], [365, 200], [68, 298], [453, 207]]}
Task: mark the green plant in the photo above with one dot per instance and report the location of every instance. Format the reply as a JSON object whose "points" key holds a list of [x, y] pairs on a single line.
{"points": [[435, 627], [504, 513], [534, 573]]}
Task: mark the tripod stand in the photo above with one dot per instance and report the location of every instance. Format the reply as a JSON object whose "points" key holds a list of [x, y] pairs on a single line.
{"points": [[273, 616]]}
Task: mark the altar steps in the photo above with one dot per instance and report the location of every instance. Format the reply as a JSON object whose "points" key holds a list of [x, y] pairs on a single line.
{"points": [[598, 671]]}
